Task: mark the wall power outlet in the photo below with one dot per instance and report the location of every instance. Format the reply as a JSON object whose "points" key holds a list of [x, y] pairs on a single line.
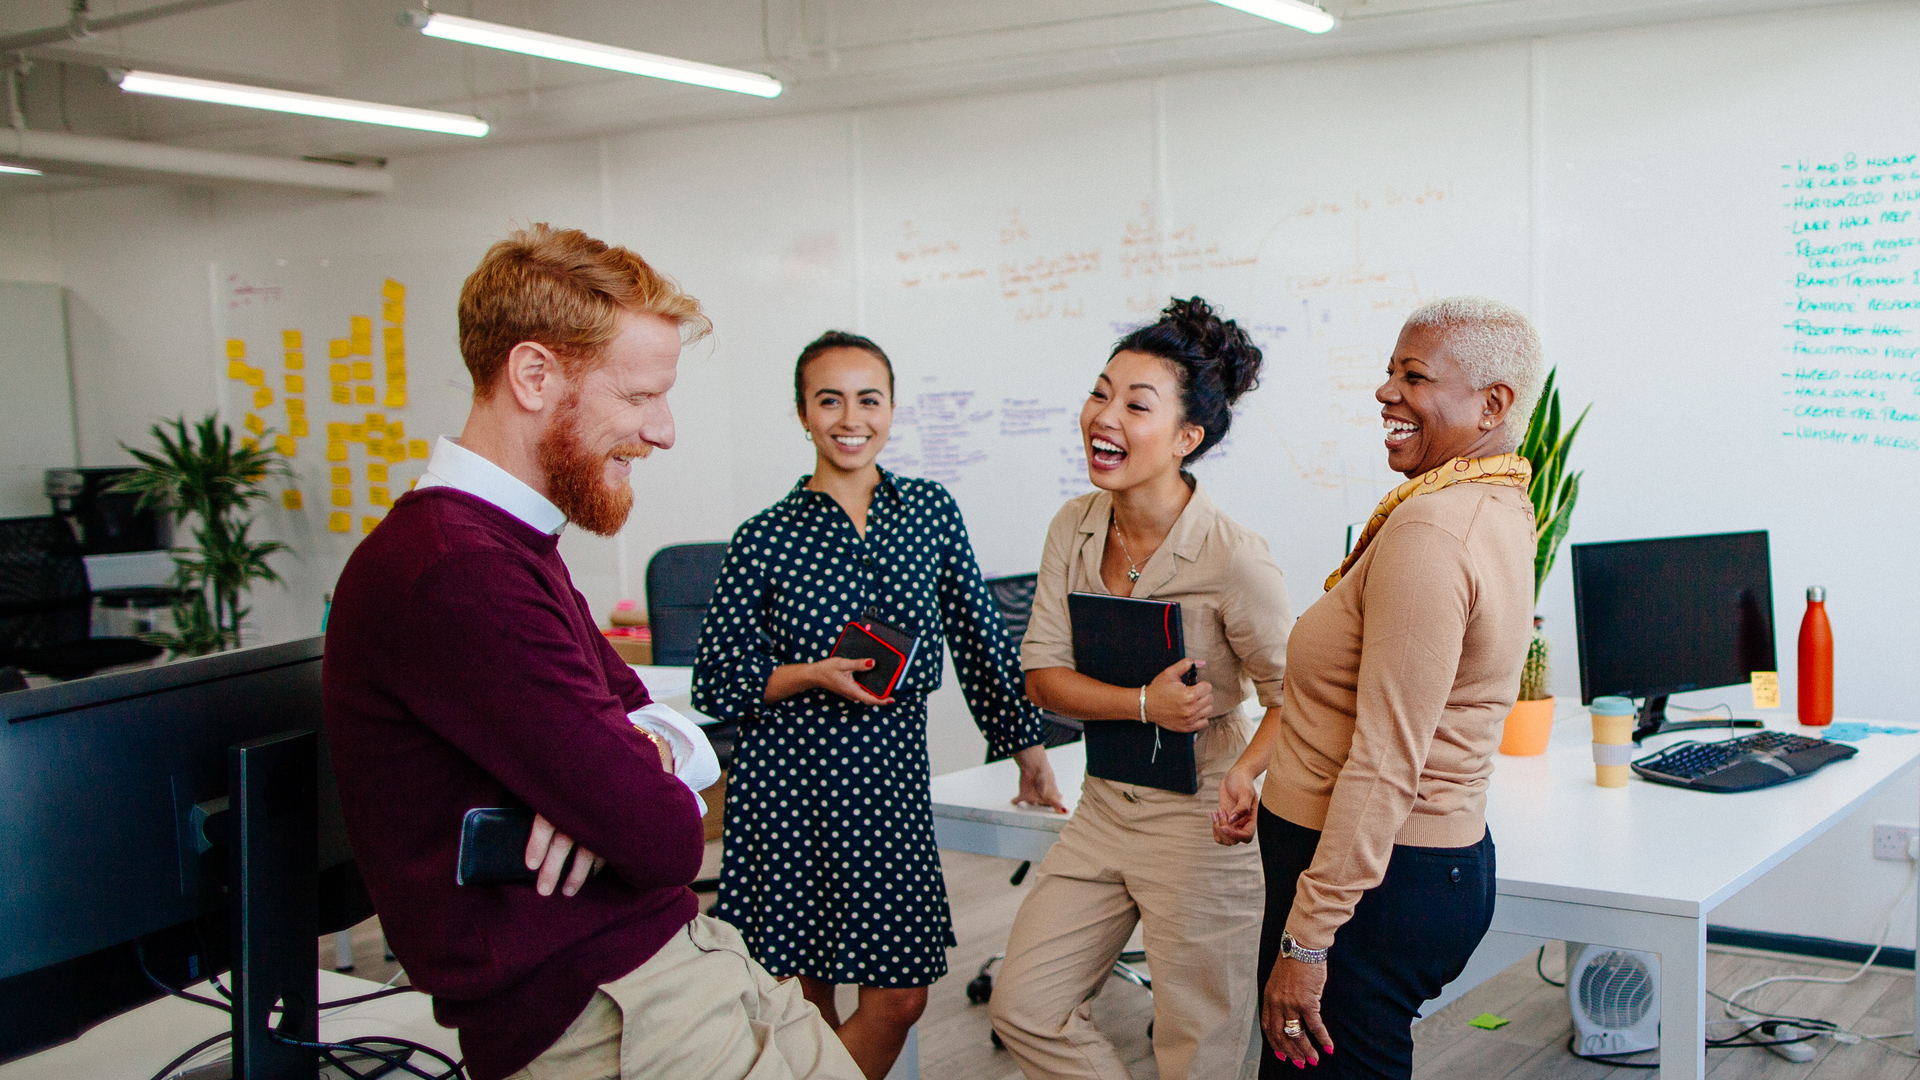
{"points": [[1892, 841]]}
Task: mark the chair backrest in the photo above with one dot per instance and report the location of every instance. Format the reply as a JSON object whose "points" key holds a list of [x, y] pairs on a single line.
{"points": [[1013, 595], [680, 582], [44, 596]]}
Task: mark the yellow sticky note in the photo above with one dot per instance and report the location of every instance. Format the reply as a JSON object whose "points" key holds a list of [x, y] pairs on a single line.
{"points": [[396, 375], [285, 444], [378, 496], [363, 369], [339, 348], [360, 338], [394, 337], [356, 433], [367, 524], [376, 420], [393, 312], [262, 398], [297, 427], [396, 399], [396, 451], [296, 384], [250, 444], [393, 290], [343, 393], [296, 361], [336, 451], [236, 348], [338, 522], [296, 406], [363, 395], [237, 369], [1766, 689], [411, 484], [291, 499], [289, 339], [343, 496], [376, 446], [377, 473], [337, 432], [255, 377], [396, 430], [416, 448], [252, 423], [339, 372], [342, 474]]}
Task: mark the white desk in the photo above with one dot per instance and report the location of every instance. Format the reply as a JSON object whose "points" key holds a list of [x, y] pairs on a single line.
{"points": [[1639, 867], [134, 1045]]}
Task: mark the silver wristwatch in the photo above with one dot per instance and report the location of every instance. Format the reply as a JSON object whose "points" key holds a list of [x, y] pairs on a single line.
{"points": [[1291, 948]]}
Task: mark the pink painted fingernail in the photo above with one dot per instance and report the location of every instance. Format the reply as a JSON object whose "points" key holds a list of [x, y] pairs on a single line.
{"points": [[1280, 1055]]}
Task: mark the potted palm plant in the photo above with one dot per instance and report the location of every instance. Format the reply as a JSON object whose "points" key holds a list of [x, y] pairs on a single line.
{"points": [[203, 475], [1553, 491]]}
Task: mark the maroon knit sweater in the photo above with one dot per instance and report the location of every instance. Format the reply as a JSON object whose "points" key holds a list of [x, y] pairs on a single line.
{"points": [[464, 670]]}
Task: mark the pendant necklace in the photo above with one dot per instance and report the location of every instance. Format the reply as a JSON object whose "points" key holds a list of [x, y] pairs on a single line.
{"points": [[1133, 568]]}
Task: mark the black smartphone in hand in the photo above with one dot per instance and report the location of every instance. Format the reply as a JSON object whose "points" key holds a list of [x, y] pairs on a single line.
{"points": [[493, 847]]}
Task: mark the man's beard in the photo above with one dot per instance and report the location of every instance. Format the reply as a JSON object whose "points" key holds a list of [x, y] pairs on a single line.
{"points": [[576, 475]]}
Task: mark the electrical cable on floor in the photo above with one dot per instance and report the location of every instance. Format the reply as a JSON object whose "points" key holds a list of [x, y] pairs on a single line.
{"points": [[192, 1052], [455, 1069], [1537, 958], [1732, 1000]]}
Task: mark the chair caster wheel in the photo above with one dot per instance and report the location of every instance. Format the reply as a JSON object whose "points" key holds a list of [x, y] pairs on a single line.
{"points": [[980, 989], [995, 1036]]}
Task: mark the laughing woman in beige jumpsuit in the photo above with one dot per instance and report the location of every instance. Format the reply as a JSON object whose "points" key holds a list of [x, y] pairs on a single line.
{"points": [[1138, 855]]}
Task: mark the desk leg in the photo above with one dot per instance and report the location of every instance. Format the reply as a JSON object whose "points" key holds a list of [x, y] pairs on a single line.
{"points": [[1681, 943]]}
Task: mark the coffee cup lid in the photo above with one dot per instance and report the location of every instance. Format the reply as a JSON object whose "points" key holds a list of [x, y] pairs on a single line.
{"points": [[1612, 706]]}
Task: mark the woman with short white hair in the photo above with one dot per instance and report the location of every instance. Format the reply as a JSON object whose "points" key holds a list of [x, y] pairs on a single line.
{"points": [[1372, 824]]}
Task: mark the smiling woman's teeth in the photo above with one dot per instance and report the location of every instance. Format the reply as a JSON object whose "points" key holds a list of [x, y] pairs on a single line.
{"points": [[1107, 453], [1399, 431], [851, 442]]}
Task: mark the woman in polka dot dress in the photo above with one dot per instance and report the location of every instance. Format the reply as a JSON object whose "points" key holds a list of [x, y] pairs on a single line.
{"points": [[830, 870]]}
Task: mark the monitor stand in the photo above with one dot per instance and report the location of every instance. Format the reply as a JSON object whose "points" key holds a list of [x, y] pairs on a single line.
{"points": [[1653, 721]]}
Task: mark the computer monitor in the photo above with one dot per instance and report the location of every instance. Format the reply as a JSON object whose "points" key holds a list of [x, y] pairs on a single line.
{"points": [[106, 789], [1659, 617]]}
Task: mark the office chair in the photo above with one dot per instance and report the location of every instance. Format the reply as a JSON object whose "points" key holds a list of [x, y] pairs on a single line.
{"points": [[1014, 597], [46, 605], [680, 581]]}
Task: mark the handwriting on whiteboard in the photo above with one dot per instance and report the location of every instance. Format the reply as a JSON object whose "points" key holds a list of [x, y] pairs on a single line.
{"points": [[1851, 335]]}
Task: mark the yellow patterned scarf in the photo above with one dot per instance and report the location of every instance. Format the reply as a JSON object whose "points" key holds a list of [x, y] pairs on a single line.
{"points": [[1505, 470]]}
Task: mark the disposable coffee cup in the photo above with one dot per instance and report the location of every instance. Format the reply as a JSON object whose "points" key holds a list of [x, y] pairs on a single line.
{"points": [[1613, 719]]}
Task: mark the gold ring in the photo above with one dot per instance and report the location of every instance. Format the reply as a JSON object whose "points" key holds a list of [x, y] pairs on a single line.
{"points": [[1291, 1029]]}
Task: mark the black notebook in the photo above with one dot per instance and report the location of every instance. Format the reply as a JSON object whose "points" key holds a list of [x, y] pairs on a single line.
{"points": [[890, 648], [1127, 642]]}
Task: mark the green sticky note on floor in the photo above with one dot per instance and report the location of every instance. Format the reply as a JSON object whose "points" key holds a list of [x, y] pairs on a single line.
{"points": [[1488, 1021]]}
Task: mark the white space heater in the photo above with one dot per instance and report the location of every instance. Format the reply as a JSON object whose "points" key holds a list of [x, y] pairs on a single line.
{"points": [[1615, 997]]}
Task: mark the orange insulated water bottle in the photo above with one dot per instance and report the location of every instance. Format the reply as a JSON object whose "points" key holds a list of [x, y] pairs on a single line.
{"points": [[1816, 661]]}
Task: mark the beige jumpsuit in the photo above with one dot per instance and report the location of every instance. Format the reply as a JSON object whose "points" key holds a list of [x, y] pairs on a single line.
{"points": [[1135, 855]]}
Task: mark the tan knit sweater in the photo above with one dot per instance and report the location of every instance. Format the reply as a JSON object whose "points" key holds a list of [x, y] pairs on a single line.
{"points": [[1397, 681]]}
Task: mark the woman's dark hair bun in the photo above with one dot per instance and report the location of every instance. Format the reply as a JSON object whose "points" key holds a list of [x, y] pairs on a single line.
{"points": [[1215, 359]]}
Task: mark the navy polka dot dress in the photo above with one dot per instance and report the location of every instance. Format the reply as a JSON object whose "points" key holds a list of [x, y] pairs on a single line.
{"points": [[830, 867]]}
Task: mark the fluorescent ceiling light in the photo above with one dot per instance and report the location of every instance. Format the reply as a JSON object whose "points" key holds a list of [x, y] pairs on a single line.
{"points": [[287, 101], [19, 170], [575, 51], [1295, 13]]}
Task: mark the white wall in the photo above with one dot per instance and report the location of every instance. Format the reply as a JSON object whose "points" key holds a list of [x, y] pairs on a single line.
{"points": [[1569, 170]]}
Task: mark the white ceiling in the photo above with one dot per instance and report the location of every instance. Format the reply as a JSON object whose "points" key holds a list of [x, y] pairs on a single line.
{"points": [[830, 53]]}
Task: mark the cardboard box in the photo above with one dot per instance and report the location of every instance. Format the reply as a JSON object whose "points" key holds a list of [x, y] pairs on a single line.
{"points": [[716, 799], [633, 650]]}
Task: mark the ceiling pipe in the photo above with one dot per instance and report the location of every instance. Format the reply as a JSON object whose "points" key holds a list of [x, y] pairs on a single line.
{"points": [[81, 24], [119, 157]]}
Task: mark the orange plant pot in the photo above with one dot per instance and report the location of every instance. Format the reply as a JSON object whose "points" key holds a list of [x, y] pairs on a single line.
{"points": [[1529, 726]]}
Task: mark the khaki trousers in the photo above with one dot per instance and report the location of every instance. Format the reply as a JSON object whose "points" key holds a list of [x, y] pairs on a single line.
{"points": [[1135, 855], [700, 1009]]}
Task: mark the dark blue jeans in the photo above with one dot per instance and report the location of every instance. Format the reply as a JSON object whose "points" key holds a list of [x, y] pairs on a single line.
{"points": [[1409, 936]]}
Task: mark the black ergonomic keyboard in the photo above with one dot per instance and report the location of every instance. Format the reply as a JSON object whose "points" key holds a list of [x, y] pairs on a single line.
{"points": [[1748, 763]]}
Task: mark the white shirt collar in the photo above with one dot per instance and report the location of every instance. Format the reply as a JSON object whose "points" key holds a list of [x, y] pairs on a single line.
{"points": [[459, 468]]}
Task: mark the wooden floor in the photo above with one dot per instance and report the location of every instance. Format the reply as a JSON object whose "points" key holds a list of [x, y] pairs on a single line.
{"points": [[954, 1043]]}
